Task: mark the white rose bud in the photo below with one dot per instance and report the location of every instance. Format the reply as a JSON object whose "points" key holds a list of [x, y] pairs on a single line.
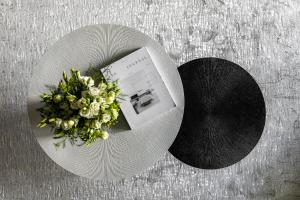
{"points": [[71, 98], [71, 123], [104, 135], [86, 80], [78, 74], [57, 98], [94, 91], [106, 117]]}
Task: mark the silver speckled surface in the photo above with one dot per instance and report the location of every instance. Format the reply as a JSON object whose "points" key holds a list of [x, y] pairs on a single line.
{"points": [[263, 36]]}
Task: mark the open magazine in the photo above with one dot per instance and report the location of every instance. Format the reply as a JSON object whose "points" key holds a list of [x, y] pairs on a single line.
{"points": [[138, 78]]}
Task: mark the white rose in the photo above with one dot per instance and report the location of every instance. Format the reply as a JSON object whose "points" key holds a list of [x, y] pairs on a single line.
{"points": [[94, 91], [84, 112], [82, 102], [104, 135], [102, 86], [106, 117], [112, 94], [86, 80], [109, 99], [94, 108]]}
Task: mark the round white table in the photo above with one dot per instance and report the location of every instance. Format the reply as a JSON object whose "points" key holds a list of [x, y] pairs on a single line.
{"points": [[126, 152]]}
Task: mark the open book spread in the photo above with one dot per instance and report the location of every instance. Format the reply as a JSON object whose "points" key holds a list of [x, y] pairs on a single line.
{"points": [[146, 94]]}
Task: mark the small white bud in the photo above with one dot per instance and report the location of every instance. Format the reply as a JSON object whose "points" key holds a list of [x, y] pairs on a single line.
{"points": [[104, 135]]}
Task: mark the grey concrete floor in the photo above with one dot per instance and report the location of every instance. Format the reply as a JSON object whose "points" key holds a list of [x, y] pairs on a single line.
{"points": [[262, 36]]}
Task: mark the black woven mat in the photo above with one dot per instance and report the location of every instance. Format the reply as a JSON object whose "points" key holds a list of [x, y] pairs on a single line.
{"points": [[224, 114]]}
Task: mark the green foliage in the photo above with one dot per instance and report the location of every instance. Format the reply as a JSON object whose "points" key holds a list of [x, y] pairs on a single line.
{"points": [[80, 110]]}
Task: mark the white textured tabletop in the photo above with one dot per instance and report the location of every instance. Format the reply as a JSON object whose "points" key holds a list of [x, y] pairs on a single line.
{"points": [[262, 36]]}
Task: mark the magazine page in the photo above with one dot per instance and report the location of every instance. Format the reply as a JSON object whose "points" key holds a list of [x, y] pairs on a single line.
{"points": [[138, 78]]}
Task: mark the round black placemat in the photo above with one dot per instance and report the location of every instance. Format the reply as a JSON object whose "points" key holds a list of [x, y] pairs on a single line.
{"points": [[224, 114]]}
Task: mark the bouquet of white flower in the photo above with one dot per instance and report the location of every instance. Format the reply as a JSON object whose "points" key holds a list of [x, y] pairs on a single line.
{"points": [[79, 110]]}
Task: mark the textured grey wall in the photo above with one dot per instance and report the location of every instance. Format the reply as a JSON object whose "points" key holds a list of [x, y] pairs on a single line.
{"points": [[263, 36]]}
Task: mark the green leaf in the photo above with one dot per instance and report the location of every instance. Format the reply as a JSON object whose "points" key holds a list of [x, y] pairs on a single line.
{"points": [[42, 125], [52, 120], [65, 77], [59, 135]]}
